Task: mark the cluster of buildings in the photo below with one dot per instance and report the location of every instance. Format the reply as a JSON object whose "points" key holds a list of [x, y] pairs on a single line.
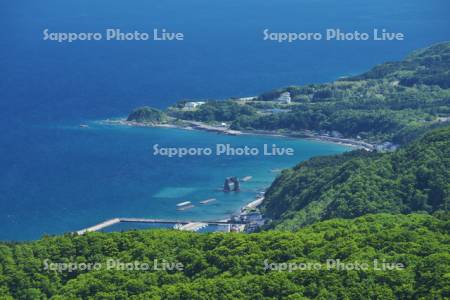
{"points": [[251, 218], [247, 98], [386, 147], [284, 98]]}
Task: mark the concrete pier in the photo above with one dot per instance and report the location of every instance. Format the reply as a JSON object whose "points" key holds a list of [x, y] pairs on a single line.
{"points": [[99, 226], [193, 226], [189, 225]]}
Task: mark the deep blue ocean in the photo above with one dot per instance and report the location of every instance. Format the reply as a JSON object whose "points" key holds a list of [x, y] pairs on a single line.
{"points": [[56, 177]]}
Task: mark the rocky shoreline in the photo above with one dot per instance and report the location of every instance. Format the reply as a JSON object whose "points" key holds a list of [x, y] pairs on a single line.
{"points": [[195, 125]]}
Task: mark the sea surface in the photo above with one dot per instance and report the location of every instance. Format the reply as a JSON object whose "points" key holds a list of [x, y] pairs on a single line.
{"points": [[57, 177], [67, 177]]}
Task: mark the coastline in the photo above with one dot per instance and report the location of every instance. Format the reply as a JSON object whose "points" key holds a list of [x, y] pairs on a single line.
{"points": [[195, 125]]}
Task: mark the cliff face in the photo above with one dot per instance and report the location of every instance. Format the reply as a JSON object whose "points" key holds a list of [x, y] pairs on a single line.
{"points": [[147, 115]]}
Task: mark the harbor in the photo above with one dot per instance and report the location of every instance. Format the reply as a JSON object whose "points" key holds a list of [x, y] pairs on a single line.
{"points": [[248, 219]]}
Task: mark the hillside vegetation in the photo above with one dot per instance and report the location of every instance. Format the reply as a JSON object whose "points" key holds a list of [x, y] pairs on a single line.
{"points": [[234, 266], [430, 66], [147, 115], [413, 178], [391, 102]]}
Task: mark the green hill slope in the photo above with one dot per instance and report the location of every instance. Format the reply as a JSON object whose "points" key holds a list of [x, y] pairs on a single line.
{"points": [[391, 102], [147, 115], [239, 266], [413, 178], [430, 66]]}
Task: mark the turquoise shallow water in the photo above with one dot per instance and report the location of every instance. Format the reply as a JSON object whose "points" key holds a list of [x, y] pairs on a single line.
{"points": [[78, 177]]}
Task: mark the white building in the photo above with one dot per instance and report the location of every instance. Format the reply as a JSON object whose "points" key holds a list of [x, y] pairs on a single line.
{"points": [[192, 105], [285, 98]]}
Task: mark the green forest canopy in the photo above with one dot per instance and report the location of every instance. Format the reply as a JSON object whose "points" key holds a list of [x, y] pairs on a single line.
{"points": [[147, 115], [389, 103], [411, 179], [232, 266]]}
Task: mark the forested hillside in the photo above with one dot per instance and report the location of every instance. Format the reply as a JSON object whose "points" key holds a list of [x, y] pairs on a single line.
{"points": [[413, 178], [430, 66], [147, 115], [391, 102], [235, 266]]}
